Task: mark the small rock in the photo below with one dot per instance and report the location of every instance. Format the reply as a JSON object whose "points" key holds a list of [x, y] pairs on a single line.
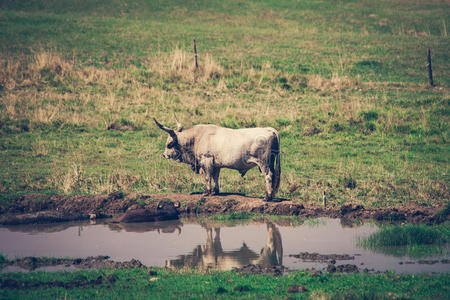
{"points": [[331, 268], [350, 207], [428, 262], [99, 280], [241, 288], [111, 278], [297, 289]]}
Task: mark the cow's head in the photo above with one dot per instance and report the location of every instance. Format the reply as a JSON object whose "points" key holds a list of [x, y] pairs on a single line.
{"points": [[173, 149]]}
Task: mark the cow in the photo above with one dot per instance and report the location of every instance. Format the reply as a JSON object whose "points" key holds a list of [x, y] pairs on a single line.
{"points": [[208, 148]]}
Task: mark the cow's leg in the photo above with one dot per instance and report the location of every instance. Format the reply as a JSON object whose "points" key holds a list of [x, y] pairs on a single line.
{"points": [[216, 174], [268, 174], [208, 182], [207, 165]]}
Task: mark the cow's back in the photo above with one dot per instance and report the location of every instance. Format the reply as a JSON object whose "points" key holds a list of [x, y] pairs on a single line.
{"points": [[230, 147]]}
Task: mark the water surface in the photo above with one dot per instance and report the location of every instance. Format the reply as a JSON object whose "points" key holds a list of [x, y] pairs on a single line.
{"points": [[188, 243]]}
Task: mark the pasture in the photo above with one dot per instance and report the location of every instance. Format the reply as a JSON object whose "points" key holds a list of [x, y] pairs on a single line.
{"points": [[344, 82]]}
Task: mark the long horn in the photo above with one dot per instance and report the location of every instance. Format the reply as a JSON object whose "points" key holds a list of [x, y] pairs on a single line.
{"points": [[179, 126], [166, 129]]}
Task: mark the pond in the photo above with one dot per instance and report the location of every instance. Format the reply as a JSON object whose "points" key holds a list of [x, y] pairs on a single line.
{"points": [[218, 245]]}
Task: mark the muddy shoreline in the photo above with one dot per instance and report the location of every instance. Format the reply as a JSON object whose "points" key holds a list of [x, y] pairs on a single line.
{"points": [[31, 263], [38, 208]]}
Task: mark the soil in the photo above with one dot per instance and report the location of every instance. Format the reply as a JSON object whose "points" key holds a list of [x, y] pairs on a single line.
{"points": [[31, 263], [316, 257], [258, 269], [346, 268], [38, 208], [296, 289]]}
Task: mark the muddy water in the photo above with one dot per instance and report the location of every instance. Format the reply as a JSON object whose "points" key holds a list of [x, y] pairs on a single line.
{"points": [[188, 243]]}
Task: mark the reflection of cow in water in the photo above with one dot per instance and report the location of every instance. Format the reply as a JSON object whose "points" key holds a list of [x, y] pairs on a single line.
{"points": [[160, 227], [211, 254]]}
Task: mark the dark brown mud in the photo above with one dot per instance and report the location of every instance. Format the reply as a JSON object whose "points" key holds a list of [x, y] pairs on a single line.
{"points": [[316, 257], [39, 208], [31, 263], [258, 269], [331, 260], [297, 289], [346, 268]]}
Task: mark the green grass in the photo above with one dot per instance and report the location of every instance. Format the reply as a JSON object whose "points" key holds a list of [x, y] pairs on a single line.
{"points": [[344, 82], [233, 219], [234, 216], [2, 259], [162, 284], [410, 240]]}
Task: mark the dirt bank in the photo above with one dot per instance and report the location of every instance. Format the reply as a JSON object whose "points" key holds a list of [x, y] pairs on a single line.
{"points": [[316, 257], [34, 208], [31, 263]]}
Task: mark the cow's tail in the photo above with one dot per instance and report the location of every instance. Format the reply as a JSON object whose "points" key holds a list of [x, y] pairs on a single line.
{"points": [[275, 164]]}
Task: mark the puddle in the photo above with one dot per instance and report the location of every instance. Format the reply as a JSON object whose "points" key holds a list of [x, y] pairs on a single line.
{"points": [[187, 243]]}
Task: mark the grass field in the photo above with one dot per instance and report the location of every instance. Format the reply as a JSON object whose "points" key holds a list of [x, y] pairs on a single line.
{"points": [[344, 82], [187, 284]]}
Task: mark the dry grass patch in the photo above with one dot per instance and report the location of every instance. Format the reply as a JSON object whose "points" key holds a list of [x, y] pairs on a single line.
{"points": [[179, 66], [52, 62], [182, 65], [336, 83], [77, 180], [92, 75], [72, 180], [45, 107], [44, 66], [40, 148]]}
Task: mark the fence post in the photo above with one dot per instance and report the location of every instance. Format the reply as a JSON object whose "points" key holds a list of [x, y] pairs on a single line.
{"points": [[195, 55], [430, 70]]}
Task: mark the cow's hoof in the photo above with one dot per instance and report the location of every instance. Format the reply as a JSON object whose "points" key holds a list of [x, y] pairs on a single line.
{"points": [[271, 199]]}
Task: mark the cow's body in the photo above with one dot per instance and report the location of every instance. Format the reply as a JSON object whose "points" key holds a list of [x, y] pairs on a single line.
{"points": [[208, 148]]}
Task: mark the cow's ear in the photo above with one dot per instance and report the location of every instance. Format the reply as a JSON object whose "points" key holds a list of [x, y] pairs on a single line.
{"points": [[171, 132], [179, 126]]}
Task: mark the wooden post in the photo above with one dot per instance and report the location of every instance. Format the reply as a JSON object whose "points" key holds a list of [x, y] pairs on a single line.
{"points": [[430, 70], [324, 197], [195, 55]]}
